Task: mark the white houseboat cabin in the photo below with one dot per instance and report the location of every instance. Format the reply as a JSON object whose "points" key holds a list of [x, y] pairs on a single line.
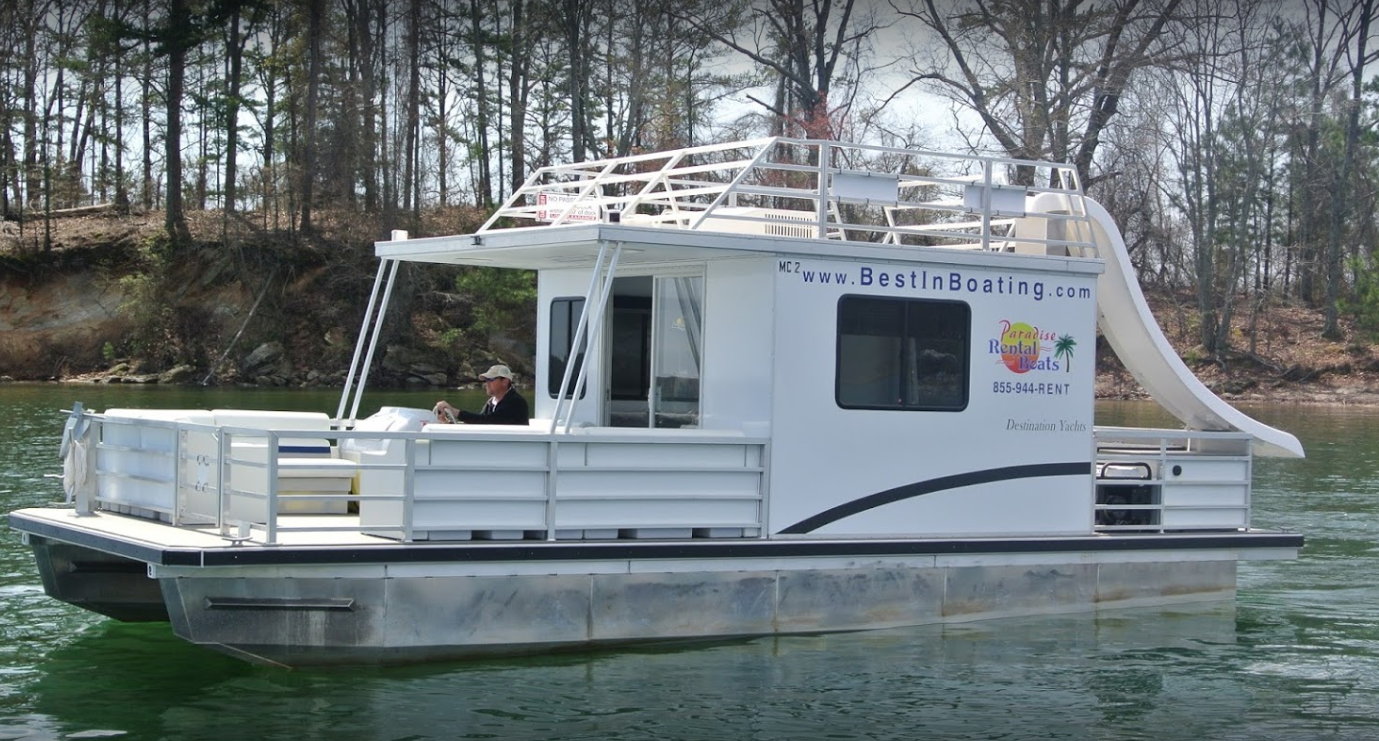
{"points": [[782, 386]]}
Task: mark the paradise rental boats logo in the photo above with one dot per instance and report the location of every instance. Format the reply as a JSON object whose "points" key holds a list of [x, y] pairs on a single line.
{"points": [[1022, 348]]}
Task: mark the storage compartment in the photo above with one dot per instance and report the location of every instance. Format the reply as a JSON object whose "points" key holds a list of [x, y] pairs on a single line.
{"points": [[137, 464], [1123, 503]]}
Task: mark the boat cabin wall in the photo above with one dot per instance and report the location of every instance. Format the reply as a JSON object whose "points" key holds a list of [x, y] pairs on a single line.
{"points": [[932, 398]]}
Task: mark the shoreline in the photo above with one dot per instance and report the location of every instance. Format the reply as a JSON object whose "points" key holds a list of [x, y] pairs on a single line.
{"points": [[1356, 392], [1109, 387]]}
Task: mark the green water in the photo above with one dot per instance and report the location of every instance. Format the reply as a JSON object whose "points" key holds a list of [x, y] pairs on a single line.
{"points": [[1297, 657]]}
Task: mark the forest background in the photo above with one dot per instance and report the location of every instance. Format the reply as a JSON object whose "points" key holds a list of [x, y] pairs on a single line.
{"points": [[191, 188]]}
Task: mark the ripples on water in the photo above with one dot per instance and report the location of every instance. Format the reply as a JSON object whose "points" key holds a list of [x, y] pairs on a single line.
{"points": [[1297, 657]]}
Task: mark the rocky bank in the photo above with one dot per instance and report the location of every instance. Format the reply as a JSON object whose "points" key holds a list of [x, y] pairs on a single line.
{"points": [[104, 299]]}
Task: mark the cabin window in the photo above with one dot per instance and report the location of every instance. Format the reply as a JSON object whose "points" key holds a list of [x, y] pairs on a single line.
{"points": [[564, 323], [909, 354]]}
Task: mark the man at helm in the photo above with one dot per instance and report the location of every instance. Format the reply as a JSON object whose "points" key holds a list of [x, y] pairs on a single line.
{"points": [[504, 407]]}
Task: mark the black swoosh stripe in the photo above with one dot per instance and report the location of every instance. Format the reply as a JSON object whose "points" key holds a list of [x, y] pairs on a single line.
{"points": [[920, 488]]}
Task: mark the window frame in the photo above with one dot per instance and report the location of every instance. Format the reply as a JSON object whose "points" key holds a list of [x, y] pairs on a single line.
{"points": [[907, 304], [572, 325]]}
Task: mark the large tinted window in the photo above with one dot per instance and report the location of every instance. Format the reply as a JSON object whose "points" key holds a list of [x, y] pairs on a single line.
{"points": [[564, 321], [902, 354]]}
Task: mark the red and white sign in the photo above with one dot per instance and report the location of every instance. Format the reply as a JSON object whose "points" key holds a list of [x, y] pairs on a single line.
{"points": [[549, 206]]}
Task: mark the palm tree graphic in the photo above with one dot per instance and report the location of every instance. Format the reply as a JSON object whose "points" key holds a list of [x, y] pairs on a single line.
{"points": [[1064, 349]]}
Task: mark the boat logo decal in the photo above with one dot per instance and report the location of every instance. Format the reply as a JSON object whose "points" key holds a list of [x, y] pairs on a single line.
{"points": [[1023, 347]]}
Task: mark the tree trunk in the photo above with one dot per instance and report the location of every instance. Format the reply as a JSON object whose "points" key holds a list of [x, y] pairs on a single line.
{"points": [[1307, 222], [6, 158], [234, 50], [370, 111], [82, 123], [203, 155], [411, 201], [274, 36], [387, 151], [33, 181], [518, 95], [316, 12], [484, 197], [353, 103], [178, 41], [146, 110], [575, 43]]}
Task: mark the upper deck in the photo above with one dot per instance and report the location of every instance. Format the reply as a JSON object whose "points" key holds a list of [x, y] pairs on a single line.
{"points": [[805, 197]]}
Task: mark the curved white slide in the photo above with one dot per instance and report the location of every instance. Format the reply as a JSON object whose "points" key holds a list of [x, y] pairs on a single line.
{"points": [[1135, 335]]}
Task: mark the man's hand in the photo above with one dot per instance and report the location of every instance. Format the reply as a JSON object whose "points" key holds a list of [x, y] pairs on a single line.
{"points": [[445, 412]]}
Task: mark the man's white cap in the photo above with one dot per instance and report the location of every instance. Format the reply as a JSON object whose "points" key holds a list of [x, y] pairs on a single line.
{"points": [[497, 371]]}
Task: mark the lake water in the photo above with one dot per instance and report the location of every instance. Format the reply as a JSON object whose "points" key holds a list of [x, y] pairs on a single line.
{"points": [[1296, 657]]}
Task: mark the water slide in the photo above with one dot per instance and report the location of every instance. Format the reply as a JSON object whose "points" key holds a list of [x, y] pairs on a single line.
{"points": [[1134, 334]]}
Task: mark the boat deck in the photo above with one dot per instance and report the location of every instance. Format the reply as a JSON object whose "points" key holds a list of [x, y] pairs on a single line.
{"points": [[160, 544]]}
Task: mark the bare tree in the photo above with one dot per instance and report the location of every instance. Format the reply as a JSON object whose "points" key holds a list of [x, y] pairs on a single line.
{"points": [[1224, 118], [1362, 15], [1045, 76], [31, 33], [653, 82], [576, 17], [519, 89], [9, 169], [316, 30], [812, 48], [1332, 33], [177, 37], [237, 33]]}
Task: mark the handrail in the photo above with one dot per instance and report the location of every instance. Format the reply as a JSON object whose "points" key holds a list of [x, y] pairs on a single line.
{"points": [[230, 480], [695, 187]]}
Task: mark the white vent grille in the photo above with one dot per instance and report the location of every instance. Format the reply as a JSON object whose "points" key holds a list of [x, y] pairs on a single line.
{"points": [[764, 221]]}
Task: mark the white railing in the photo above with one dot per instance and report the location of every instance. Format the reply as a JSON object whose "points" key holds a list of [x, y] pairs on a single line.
{"points": [[450, 483], [456, 482], [817, 189], [1167, 480]]}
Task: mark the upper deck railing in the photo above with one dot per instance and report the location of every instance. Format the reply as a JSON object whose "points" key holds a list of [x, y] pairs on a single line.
{"points": [[816, 189]]}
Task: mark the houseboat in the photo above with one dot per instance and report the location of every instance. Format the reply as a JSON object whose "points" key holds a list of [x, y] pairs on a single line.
{"points": [[782, 386]]}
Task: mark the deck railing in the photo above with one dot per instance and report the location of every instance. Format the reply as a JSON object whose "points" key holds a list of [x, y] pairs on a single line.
{"points": [[461, 483], [452, 483], [818, 189]]}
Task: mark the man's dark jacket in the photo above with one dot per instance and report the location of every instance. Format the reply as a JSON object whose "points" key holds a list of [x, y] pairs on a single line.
{"points": [[510, 410]]}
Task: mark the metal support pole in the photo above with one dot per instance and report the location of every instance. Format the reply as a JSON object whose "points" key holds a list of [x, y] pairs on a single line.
{"points": [[373, 340], [361, 341], [821, 206], [579, 334], [596, 332]]}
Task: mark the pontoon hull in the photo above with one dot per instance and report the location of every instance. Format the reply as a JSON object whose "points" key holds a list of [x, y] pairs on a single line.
{"points": [[108, 584], [303, 622], [308, 607]]}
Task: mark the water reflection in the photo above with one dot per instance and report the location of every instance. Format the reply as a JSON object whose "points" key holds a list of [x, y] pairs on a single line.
{"points": [[1017, 679]]}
